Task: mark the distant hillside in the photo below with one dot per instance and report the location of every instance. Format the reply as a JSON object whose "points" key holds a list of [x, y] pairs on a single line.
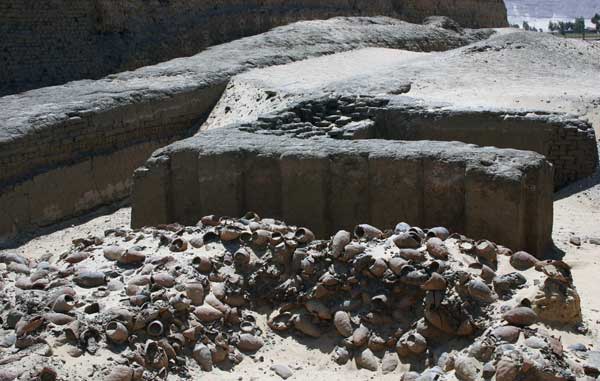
{"points": [[539, 12]]}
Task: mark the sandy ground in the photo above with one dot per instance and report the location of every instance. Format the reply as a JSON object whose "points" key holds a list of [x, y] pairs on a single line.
{"points": [[577, 212]]}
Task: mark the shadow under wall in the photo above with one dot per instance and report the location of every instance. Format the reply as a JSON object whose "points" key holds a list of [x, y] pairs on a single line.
{"points": [[25, 237], [579, 186]]}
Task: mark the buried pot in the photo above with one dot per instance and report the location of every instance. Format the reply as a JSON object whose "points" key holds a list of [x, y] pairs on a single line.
{"points": [[117, 332], [64, 303], [90, 279], [368, 232], [520, 316]]}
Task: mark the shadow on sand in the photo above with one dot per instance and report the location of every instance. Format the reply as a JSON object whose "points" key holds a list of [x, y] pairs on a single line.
{"points": [[579, 186], [26, 237]]}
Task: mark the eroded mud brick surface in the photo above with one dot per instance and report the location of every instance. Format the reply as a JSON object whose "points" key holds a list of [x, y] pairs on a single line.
{"points": [[59, 140], [324, 182]]}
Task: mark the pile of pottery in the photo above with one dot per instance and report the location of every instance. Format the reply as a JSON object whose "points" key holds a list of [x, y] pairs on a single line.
{"points": [[171, 298]]}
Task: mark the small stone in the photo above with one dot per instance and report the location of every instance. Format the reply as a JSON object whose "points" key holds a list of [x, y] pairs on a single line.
{"points": [[535, 342], [575, 240], [115, 285], [92, 308], [74, 351], [488, 370], [13, 318], [389, 363], [592, 364], [343, 324], [578, 347], [594, 241], [360, 336], [365, 359], [343, 120], [505, 284], [467, 369], [401, 89], [446, 361], [341, 355], [8, 341], [282, 371], [410, 376], [507, 333]]}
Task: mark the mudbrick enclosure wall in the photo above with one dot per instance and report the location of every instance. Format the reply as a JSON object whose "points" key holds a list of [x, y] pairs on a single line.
{"points": [[566, 141], [68, 149], [47, 42], [480, 191], [332, 183]]}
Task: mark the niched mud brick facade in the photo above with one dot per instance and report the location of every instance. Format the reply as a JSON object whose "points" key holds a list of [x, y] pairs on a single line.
{"points": [[329, 184]]}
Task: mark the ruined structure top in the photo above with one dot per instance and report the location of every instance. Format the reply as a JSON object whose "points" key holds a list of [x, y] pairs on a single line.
{"points": [[47, 42]]}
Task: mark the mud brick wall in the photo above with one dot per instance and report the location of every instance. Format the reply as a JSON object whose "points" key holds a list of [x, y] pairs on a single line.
{"points": [[330, 184], [70, 190], [72, 166], [53, 130], [47, 42], [79, 135], [573, 152], [567, 142]]}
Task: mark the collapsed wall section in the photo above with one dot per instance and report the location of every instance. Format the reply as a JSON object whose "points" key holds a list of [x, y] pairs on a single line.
{"points": [[329, 184], [46, 42]]}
